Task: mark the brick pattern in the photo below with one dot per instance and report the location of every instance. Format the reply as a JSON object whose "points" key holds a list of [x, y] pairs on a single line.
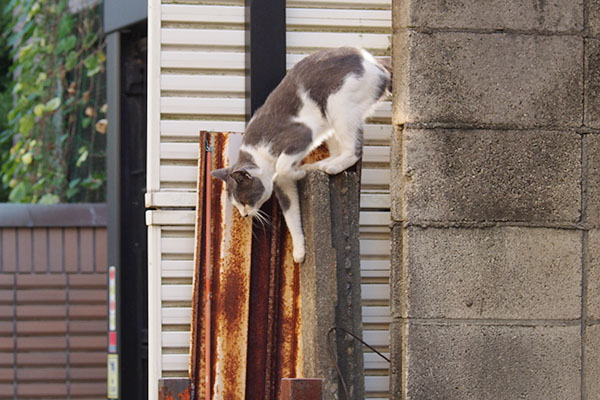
{"points": [[495, 199], [53, 313]]}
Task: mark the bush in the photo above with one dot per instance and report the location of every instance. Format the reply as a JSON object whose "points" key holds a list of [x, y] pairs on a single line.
{"points": [[56, 125]]}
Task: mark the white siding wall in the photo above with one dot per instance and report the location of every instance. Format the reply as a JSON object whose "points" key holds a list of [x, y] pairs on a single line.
{"points": [[196, 75]]}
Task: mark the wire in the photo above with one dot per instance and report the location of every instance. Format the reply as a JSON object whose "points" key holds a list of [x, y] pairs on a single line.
{"points": [[334, 358]]}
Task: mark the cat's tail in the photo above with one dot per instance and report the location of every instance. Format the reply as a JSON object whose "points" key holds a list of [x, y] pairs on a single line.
{"points": [[386, 64]]}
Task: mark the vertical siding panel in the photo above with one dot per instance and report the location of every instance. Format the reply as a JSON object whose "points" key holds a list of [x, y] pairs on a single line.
{"points": [[55, 250], [100, 249], [71, 250], [25, 251], [40, 250], [9, 245], [86, 249]]}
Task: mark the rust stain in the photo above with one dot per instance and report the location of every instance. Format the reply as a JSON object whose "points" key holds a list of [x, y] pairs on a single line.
{"points": [[175, 389], [318, 154], [301, 389]]}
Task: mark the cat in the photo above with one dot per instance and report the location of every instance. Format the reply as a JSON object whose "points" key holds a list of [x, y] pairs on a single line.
{"points": [[324, 98]]}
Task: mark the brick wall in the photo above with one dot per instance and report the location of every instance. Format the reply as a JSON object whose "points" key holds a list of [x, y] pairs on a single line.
{"points": [[52, 302], [496, 180]]}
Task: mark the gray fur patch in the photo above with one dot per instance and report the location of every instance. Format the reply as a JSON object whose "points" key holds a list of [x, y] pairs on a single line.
{"points": [[244, 187], [246, 192], [323, 73], [297, 139], [284, 200], [245, 159]]}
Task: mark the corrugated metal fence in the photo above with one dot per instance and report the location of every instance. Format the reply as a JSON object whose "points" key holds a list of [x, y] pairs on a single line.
{"points": [[52, 301]]}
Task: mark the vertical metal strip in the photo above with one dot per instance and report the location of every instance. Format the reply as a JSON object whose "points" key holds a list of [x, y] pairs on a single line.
{"points": [[197, 349], [207, 268], [232, 238]]}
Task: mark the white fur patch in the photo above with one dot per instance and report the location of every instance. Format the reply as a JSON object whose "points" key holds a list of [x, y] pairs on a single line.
{"points": [[310, 115]]}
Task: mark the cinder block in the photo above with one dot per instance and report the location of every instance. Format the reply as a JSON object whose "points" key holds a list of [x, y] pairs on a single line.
{"points": [[484, 175], [521, 15], [592, 362], [491, 273], [594, 18], [483, 362], [593, 275], [501, 79], [592, 144], [592, 83]]}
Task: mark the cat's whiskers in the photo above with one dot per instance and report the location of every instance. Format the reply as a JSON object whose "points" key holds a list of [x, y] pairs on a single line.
{"points": [[262, 217]]}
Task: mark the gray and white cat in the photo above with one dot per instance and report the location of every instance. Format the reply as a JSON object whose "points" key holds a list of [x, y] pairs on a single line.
{"points": [[324, 98]]}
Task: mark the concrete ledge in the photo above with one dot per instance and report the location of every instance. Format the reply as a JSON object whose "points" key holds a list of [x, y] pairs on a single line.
{"points": [[52, 215], [496, 79], [495, 273], [477, 175], [475, 362], [564, 16]]}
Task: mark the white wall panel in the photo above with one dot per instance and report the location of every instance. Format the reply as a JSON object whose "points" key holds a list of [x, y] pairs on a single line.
{"points": [[198, 83]]}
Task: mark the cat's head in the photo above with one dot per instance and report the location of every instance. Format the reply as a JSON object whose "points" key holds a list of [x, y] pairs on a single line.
{"points": [[246, 190]]}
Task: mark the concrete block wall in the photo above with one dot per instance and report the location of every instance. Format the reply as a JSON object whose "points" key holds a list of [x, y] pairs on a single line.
{"points": [[496, 200]]}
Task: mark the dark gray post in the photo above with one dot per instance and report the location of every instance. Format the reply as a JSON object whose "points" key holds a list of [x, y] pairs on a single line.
{"points": [[330, 282]]}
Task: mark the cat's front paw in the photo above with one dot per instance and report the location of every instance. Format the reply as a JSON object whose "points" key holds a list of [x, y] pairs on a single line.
{"points": [[299, 254]]}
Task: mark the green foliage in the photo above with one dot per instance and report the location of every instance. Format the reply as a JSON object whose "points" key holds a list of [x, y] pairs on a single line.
{"points": [[5, 93], [57, 122]]}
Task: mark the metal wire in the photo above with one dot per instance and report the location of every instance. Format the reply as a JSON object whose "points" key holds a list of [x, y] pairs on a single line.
{"points": [[334, 358]]}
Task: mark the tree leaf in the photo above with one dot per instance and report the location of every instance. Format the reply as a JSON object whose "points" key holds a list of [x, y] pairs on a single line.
{"points": [[53, 104], [18, 193], [65, 26], [91, 62], [39, 109], [66, 44], [89, 40], [26, 124], [71, 60], [93, 71], [82, 158], [41, 78], [49, 198]]}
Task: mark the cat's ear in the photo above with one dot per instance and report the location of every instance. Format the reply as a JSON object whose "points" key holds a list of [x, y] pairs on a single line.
{"points": [[221, 174], [241, 175]]}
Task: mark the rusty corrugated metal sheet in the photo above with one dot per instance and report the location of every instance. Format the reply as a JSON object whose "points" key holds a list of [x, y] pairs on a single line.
{"points": [[174, 389], [254, 317]]}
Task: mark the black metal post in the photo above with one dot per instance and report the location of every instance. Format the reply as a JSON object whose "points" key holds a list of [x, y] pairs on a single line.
{"points": [[113, 197], [265, 50]]}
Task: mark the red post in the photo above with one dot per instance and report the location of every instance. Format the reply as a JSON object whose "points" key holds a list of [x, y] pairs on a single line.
{"points": [[301, 389]]}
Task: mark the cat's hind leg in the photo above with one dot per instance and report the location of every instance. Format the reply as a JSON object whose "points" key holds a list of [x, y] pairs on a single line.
{"points": [[349, 136], [334, 151], [286, 192]]}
